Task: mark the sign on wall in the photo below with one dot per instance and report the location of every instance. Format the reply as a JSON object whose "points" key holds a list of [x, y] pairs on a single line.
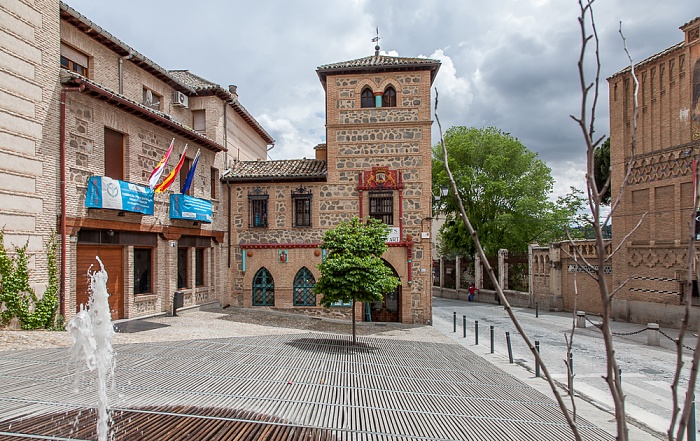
{"points": [[105, 192], [190, 208], [394, 235]]}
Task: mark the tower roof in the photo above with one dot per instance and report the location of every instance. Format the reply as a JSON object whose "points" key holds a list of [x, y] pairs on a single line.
{"points": [[379, 63]]}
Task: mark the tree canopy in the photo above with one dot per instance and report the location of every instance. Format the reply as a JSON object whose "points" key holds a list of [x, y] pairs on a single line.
{"points": [[505, 189], [601, 164], [353, 268]]}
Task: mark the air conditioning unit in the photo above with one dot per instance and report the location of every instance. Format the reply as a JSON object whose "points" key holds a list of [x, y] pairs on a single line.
{"points": [[180, 99]]}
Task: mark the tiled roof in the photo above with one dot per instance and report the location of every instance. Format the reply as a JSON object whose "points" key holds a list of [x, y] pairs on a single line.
{"points": [[189, 79], [379, 61], [135, 108], [376, 62], [281, 170], [649, 60]]}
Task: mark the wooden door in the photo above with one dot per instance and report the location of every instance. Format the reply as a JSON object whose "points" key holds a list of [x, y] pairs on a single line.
{"points": [[113, 261], [387, 310]]}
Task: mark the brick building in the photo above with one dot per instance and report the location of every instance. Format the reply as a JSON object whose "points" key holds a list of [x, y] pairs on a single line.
{"points": [[649, 269], [377, 162], [81, 138]]}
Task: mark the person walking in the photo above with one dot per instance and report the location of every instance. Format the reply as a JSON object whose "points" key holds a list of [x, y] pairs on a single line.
{"points": [[472, 291]]}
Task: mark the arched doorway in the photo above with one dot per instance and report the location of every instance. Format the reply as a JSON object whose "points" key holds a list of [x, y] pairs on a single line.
{"points": [[389, 308]]}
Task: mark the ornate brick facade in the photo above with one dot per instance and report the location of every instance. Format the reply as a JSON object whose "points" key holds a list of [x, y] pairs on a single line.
{"points": [[380, 147], [650, 266]]}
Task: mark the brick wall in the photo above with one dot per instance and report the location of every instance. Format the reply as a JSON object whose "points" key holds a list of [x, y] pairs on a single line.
{"points": [[659, 189]]}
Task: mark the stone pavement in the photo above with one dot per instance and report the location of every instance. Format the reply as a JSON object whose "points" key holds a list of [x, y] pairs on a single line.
{"points": [[647, 371], [193, 326]]}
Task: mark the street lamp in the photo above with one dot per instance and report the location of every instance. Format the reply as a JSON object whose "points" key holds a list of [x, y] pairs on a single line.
{"points": [[443, 191]]}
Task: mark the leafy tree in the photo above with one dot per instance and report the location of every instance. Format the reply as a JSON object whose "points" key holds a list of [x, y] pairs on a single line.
{"points": [[601, 164], [353, 269], [505, 189]]}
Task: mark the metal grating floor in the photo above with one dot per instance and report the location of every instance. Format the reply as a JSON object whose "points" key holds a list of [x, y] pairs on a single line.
{"points": [[291, 387]]}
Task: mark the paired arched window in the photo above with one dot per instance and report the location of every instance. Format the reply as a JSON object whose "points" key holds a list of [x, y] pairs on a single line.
{"points": [[263, 288], [389, 97], [304, 288], [367, 98]]}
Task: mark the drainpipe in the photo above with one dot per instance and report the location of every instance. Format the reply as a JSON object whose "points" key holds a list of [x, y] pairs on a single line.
{"points": [[121, 71], [62, 166]]}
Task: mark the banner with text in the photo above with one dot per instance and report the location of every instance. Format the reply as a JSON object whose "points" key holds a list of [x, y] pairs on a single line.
{"points": [[190, 208], [105, 192]]}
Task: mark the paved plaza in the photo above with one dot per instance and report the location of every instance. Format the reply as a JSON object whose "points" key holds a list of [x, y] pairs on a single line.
{"points": [[218, 379]]}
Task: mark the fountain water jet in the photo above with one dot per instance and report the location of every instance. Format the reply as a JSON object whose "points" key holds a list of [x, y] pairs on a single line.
{"points": [[92, 331]]}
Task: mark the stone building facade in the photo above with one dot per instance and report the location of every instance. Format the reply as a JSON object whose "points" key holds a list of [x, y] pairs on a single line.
{"points": [[104, 118], [29, 102], [376, 162], [649, 269]]}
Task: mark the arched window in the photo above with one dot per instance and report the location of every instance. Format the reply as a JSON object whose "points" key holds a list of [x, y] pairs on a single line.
{"points": [[304, 288], [389, 97], [263, 288], [367, 97]]}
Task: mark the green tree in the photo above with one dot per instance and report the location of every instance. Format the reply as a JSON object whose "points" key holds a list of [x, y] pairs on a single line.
{"points": [[505, 189], [601, 164], [353, 269]]}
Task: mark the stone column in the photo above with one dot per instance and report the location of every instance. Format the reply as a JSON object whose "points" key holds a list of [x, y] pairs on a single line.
{"points": [[478, 272], [458, 276], [503, 268]]}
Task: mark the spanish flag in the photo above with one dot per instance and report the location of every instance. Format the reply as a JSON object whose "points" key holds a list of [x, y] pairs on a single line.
{"points": [[158, 171], [173, 173]]}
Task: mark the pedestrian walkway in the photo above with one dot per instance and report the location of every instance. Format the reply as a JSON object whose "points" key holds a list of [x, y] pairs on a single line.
{"points": [[647, 371], [381, 389]]}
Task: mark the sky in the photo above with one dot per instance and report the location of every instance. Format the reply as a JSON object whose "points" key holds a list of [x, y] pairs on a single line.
{"points": [[510, 64]]}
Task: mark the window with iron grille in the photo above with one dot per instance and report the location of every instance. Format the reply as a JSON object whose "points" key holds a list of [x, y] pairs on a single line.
{"points": [[381, 206], [304, 288], [302, 207], [257, 208], [263, 288]]}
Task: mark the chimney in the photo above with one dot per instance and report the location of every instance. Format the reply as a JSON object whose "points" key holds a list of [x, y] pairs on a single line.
{"points": [[321, 151], [234, 91]]}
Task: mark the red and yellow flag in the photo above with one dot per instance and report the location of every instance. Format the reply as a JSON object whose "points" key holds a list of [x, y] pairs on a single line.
{"points": [[173, 173]]}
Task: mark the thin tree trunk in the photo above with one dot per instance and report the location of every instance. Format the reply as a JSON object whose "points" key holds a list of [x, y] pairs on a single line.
{"points": [[354, 338]]}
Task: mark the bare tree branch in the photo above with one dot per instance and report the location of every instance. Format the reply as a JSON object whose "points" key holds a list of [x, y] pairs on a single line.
{"points": [[499, 290]]}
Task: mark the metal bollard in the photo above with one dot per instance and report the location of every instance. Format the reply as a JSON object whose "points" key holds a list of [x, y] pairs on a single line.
{"points": [[691, 432], [464, 326], [476, 332], [537, 309], [580, 319], [492, 339], [653, 334], [537, 365], [570, 377], [454, 321], [510, 349]]}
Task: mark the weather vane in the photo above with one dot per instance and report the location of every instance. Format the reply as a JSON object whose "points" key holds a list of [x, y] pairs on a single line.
{"points": [[376, 40]]}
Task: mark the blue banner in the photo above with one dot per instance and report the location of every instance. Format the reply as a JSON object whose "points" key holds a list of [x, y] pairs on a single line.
{"points": [[105, 192], [189, 208]]}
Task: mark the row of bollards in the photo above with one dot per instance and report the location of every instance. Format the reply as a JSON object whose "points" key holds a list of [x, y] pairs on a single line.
{"points": [[652, 340]]}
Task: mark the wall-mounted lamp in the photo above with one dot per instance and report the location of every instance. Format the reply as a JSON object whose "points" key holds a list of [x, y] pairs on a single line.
{"points": [[110, 233], [195, 223], [121, 214], [443, 191]]}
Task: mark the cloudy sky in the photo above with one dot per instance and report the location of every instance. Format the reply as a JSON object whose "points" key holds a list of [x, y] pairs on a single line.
{"points": [[505, 63]]}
